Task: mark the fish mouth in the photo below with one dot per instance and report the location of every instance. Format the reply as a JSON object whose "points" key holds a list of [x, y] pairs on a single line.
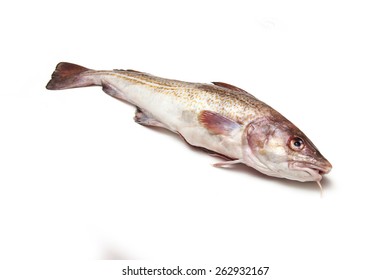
{"points": [[315, 171]]}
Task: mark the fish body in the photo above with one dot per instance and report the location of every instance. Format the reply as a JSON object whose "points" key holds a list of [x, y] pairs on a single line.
{"points": [[219, 117]]}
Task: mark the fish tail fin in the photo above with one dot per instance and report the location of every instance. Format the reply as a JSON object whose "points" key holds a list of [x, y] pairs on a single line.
{"points": [[69, 75]]}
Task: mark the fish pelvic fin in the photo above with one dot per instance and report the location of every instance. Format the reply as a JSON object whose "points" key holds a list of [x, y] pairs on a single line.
{"points": [[69, 75]]}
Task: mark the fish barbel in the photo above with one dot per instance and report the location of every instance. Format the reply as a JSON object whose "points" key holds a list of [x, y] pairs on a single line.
{"points": [[218, 117]]}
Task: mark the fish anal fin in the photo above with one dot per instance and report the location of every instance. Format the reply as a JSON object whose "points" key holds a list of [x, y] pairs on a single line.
{"points": [[216, 123], [227, 163], [143, 118], [109, 89]]}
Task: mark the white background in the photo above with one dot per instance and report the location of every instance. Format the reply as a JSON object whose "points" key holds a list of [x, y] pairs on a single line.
{"points": [[81, 182]]}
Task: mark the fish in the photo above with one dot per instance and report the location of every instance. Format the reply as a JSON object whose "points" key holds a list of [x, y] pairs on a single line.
{"points": [[220, 118]]}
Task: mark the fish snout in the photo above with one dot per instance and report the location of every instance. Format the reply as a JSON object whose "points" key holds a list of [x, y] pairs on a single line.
{"points": [[323, 167], [315, 170]]}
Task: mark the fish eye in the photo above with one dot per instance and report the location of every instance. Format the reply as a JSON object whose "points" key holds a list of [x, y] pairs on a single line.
{"points": [[296, 143]]}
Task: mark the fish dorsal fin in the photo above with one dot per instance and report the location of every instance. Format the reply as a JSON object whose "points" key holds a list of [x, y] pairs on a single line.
{"points": [[216, 123], [231, 87], [129, 70]]}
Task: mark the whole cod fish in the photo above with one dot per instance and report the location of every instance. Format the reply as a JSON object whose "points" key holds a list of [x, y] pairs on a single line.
{"points": [[219, 117]]}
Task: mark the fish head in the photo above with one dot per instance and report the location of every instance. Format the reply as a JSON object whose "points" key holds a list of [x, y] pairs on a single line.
{"points": [[276, 147]]}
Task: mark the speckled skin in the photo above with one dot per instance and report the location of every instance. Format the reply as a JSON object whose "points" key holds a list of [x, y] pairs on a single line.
{"points": [[195, 97], [177, 105], [218, 117]]}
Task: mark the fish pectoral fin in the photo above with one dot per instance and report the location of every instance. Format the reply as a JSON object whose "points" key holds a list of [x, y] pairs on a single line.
{"points": [[216, 123], [227, 163]]}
